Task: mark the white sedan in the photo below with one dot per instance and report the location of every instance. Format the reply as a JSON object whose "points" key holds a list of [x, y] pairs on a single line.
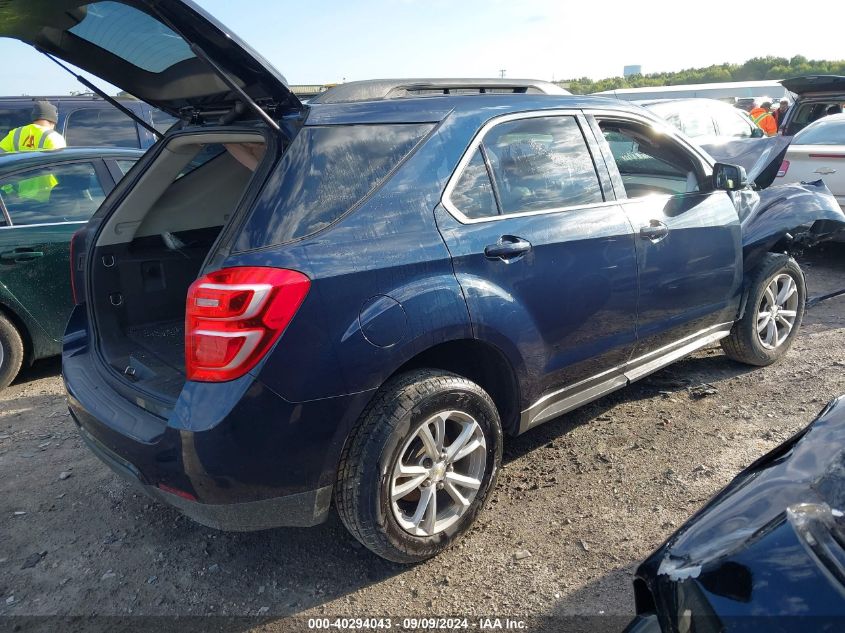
{"points": [[818, 152]]}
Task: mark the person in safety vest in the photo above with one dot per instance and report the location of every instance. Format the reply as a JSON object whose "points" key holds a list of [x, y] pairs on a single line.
{"points": [[38, 135], [762, 116]]}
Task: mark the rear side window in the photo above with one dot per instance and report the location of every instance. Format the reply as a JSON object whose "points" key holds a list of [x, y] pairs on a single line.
{"points": [[162, 121], [68, 192], [325, 172], [10, 118], [473, 193], [100, 127], [537, 164]]}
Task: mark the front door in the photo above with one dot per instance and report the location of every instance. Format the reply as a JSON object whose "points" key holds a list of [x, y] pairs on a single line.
{"points": [[45, 206], [689, 249], [546, 262]]}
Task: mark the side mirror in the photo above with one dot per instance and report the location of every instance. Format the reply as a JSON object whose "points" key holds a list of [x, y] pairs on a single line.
{"points": [[757, 133], [729, 177]]}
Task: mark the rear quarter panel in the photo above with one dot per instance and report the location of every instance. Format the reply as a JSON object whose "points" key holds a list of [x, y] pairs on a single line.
{"points": [[388, 248]]}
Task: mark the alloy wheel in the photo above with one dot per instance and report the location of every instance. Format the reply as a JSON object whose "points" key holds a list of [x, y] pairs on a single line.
{"points": [[777, 311], [438, 473]]}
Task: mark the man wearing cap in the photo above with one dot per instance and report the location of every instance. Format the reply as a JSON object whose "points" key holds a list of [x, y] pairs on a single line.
{"points": [[38, 135], [762, 116]]}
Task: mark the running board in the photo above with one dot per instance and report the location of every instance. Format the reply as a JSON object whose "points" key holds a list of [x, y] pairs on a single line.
{"points": [[564, 400]]}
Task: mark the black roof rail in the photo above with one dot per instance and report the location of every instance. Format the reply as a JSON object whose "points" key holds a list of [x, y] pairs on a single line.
{"points": [[374, 89]]}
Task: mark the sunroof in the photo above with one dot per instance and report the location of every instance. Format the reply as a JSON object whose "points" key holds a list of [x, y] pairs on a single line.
{"points": [[132, 35]]}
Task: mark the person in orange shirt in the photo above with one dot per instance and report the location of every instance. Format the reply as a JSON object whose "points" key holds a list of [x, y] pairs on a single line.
{"points": [[762, 116]]}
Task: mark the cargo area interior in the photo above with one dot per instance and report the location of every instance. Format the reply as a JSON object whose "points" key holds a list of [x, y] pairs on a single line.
{"points": [[153, 246]]}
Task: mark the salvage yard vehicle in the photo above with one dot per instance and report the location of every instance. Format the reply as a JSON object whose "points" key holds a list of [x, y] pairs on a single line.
{"points": [[355, 300], [767, 553], [816, 96], [818, 152], [44, 198], [706, 121], [89, 121]]}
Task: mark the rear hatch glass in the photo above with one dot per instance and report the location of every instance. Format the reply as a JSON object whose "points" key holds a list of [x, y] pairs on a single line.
{"points": [[156, 50]]}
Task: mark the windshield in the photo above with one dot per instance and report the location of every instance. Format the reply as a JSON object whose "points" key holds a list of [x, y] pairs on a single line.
{"points": [[823, 133]]}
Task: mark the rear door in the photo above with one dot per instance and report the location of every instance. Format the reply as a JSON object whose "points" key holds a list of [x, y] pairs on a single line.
{"points": [[46, 206], [547, 261], [689, 249]]}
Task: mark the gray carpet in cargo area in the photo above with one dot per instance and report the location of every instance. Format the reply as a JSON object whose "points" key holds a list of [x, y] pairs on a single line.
{"points": [[160, 349]]}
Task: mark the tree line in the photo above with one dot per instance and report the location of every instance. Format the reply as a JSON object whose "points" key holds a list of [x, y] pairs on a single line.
{"points": [[755, 69]]}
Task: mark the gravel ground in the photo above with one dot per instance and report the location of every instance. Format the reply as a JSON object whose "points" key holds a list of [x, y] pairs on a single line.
{"points": [[580, 502]]}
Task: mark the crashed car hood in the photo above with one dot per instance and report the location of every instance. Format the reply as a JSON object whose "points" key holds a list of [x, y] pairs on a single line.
{"points": [[761, 157], [770, 543]]}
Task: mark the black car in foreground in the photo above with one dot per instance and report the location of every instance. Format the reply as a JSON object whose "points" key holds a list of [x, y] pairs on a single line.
{"points": [[766, 554]]}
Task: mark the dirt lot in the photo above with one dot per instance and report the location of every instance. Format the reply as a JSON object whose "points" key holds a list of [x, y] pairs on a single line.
{"points": [[580, 502]]}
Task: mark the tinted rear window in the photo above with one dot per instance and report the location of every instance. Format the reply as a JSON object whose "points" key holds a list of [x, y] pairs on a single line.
{"points": [[132, 35], [100, 127], [10, 118], [326, 171]]}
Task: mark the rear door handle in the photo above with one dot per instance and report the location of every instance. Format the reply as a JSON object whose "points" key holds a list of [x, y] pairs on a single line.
{"points": [[655, 231], [20, 255], [508, 247]]}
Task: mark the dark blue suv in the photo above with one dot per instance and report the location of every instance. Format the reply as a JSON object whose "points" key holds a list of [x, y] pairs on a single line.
{"points": [[282, 305]]}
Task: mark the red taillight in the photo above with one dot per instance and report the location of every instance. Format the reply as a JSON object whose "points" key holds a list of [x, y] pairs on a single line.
{"points": [[74, 264], [784, 167], [234, 315]]}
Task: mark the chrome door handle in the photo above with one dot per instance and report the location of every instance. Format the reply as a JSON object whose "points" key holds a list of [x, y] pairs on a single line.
{"points": [[508, 247], [655, 231]]}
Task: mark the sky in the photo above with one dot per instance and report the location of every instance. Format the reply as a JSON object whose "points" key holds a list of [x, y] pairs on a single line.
{"points": [[327, 41]]}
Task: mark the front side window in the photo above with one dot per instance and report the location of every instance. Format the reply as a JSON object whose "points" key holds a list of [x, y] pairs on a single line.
{"points": [[733, 123], [650, 163], [59, 193], [696, 121], [100, 127]]}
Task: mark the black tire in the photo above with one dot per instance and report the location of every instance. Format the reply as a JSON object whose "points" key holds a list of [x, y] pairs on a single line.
{"points": [[11, 352], [744, 343], [396, 413]]}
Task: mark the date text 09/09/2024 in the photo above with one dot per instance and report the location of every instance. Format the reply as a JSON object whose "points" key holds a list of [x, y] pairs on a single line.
{"points": [[415, 624]]}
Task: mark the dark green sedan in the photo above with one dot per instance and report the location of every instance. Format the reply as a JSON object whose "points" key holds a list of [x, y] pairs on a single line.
{"points": [[45, 197]]}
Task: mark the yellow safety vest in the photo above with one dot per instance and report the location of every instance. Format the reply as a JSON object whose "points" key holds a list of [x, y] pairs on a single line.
{"points": [[31, 138]]}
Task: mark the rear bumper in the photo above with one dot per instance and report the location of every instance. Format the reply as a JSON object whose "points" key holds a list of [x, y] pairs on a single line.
{"points": [[303, 509], [234, 456]]}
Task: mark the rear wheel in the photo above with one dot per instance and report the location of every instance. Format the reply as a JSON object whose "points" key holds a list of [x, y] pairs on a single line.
{"points": [[418, 468], [773, 313], [11, 352]]}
